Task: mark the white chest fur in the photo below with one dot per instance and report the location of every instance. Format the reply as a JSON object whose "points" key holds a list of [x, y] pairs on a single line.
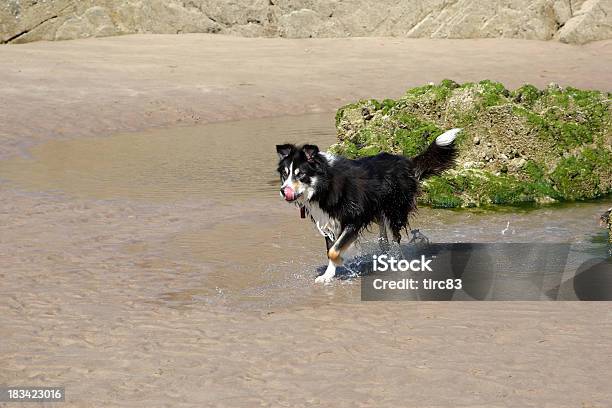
{"points": [[327, 226]]}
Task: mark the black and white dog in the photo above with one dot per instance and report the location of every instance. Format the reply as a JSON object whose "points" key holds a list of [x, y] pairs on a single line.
{"points": [[343, 197]]}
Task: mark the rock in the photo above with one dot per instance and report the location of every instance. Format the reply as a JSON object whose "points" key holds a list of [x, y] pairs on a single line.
{"points": [[545, 200], [606, 221], [365, 112], [95, 22], [471, 19], [572, 21], [516, 164], [22, 21], [559, 140], [592, 22], [302, 23]]}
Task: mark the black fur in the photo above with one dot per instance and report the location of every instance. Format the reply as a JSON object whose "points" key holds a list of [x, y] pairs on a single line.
{"points": [[363, 191], [434, 160]]}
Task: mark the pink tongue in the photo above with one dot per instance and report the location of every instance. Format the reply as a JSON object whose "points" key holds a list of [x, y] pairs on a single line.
{"points": [[289, 194]]}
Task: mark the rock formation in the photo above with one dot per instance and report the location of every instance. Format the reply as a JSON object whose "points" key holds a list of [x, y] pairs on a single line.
{"points": [[521, 146], [572, 21], [606, 221]]}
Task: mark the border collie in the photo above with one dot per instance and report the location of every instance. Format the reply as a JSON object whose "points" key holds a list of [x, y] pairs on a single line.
{"points": [[343, 197]]}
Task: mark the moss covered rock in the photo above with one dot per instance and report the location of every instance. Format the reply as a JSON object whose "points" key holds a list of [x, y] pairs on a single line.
{"points": [[606, 221], [522, 146]]}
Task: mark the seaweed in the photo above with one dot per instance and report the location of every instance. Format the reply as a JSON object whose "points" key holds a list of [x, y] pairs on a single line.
{"points": [[527, 145]]}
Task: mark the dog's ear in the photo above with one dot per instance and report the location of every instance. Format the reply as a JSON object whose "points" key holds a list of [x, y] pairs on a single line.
{"points": [[310, 151], [284, 150]]}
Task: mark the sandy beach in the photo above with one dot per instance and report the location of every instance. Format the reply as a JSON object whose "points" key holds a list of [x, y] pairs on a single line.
{"points": [[116, 297], [103, 86]]}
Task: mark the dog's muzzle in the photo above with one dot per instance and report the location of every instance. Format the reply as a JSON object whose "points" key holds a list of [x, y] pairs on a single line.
{"points": [[288, 193]]}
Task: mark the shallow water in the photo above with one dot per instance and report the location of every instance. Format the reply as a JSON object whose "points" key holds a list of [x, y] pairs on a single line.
{"points": [[222, 161], [245, 245]]}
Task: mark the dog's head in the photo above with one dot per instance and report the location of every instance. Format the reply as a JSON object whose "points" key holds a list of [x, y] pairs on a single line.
{"points": [[298, 168]]}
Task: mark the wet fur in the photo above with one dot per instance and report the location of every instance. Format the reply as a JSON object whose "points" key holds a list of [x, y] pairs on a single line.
{"points": [[352, 194]]}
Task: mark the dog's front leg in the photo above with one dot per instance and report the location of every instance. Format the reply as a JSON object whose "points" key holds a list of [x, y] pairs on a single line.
{"points": [[330, 272], [328, 243], [334, 253], [383, 240]]}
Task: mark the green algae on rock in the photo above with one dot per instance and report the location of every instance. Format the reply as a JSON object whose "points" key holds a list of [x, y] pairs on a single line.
{"points": [[606, 221], [522, 146]]}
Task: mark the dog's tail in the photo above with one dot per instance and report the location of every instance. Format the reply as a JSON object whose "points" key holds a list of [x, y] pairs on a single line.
{"points": [[439, 156]]}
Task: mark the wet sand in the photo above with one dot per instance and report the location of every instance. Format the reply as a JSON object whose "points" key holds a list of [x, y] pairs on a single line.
{"points": [[109, 85], [117, 292]]}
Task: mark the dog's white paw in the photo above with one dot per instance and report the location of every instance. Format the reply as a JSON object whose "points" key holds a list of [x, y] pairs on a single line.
{"points": [[324, 279], [329, 274]]}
